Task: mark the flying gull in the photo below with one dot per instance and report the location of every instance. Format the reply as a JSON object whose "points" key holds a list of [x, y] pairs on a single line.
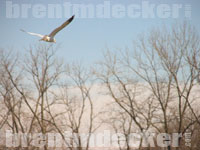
{"points": [[50, 37]]}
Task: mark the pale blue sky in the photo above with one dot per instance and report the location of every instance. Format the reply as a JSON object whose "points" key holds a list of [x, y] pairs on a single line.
{"points": [[85, 39]]}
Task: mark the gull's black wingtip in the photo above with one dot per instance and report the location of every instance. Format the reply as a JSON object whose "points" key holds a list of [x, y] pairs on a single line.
{"points": [[22, 30], [71, 18]]}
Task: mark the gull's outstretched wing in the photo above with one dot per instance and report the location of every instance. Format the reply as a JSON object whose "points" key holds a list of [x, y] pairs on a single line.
{"points": [[53, 33], [35, 34]]}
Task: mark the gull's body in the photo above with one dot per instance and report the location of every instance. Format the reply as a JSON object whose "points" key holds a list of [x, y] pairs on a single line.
{"points": [[50, 37], [47, 38]]}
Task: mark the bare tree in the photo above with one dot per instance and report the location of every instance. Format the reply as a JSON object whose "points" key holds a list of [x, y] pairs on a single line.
{"points": [[121, 123], [11, 101], [32, 90], [152, 87], [159, 59], [159, 62], [126, 92], [40, 72], [78, 114]]}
